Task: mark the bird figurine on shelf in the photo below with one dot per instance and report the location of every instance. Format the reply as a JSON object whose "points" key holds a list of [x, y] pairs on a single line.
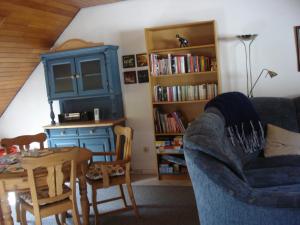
{"points": [[182, 41]]}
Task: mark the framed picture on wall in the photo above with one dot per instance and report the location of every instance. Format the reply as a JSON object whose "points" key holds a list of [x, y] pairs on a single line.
{"points": [[297, 35], [130, 77], [128, 61], [141, 60], [143, 76]]}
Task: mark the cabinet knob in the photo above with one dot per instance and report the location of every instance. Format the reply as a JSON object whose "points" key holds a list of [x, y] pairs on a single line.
{"points": [[77, 76], [62, 132], [92, 131]]}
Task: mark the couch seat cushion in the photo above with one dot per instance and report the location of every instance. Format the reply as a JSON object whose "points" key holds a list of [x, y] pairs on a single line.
{"points": [[287, 196], [269, 177], [277, 161], [274, 171]]}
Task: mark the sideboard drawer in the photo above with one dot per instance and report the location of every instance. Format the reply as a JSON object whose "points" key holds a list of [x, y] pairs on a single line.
{"points": [[93, 131], [63, 132]]}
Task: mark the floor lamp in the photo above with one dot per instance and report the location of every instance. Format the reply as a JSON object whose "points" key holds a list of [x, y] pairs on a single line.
{"points": [[247, 40]]}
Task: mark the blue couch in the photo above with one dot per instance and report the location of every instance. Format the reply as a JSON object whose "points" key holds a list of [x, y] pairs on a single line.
{"points": [[236, 188]]}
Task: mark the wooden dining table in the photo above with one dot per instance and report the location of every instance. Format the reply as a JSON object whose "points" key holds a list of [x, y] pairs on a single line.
{"points": [[16, 181]]}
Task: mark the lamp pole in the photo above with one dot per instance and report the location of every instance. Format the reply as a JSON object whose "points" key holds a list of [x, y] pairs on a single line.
{"points": [[269, 72], [248, 38]]}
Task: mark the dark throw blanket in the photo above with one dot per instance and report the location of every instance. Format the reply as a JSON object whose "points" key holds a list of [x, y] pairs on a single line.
{"points": [[242, 121]]}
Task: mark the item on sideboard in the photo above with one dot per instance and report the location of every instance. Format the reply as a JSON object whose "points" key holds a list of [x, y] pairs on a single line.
{"points": [[96, 114], [77, 116], [297, 36], [130, 77], [247, 40], [141, 60], [182, 41], [269, 72], [143, 76], [128, 61]]}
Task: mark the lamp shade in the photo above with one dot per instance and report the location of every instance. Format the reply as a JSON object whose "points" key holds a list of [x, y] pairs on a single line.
{"points": [[246, 37], [272, 73]]}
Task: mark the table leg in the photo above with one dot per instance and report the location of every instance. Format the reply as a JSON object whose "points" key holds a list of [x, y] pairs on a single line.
{"points": [[8, 220], [85, 206]]}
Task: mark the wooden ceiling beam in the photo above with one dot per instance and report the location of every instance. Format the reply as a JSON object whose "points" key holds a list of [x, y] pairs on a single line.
{"points": [[19, 60], [84, 4], [19, 55], [9, 8], [17, 65], [27, 40], [7, 71], [46, 7]]}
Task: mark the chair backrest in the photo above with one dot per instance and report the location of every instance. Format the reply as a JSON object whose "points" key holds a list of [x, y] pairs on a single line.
{"points": [[124, 137], [24, 141], [54, 163]]}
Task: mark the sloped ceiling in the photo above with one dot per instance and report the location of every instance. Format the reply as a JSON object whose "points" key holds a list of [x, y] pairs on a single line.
{"points": [[28, 28]]}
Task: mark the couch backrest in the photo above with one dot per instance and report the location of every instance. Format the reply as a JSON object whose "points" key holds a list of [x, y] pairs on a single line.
{"points": [[281, 112], [297, 104], [207, 134]]}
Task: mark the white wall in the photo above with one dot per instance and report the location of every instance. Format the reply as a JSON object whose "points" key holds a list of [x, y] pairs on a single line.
{"points": [[123, 24]]}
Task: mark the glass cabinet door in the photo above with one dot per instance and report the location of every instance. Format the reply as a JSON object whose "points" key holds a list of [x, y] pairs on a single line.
{"points": [[62, 78], [91, 77]]}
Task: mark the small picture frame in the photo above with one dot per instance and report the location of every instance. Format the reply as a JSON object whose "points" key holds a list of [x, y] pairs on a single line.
{"points": [[143, 76], [297, 36], [141, 60], [130, 77], [128, 61]]}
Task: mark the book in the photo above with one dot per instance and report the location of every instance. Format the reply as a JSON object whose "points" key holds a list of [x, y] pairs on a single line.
{"points": [[179, 64]]}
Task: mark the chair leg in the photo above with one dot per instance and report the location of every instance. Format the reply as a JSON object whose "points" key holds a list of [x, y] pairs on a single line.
{"points": [[37, 217], [18, 216], [57, 219], [94, 200], [63, 218], [75, 215], [23, 215], [130, 192], [38, 221], [123, 195]]}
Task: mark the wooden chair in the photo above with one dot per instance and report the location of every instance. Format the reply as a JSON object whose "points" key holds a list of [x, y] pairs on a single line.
{"points": [[117, 172], [23, 142], [56, 198]]}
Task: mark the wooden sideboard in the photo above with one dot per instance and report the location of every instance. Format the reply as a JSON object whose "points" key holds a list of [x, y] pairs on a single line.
{"points": [[95, 136]]}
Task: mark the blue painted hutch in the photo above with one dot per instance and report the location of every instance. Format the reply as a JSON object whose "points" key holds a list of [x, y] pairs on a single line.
{"points": [[81, 80]]}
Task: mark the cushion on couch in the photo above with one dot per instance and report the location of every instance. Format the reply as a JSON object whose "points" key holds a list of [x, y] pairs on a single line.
{"points": [[281, 142]]}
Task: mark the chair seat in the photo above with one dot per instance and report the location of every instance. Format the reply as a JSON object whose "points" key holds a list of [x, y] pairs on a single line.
{"points": [[95, 173], [41, 194]]}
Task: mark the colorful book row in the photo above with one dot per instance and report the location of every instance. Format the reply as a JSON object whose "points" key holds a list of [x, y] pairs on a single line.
{"points": [[168, 122], [181, 64], [185, 93], [169, 143]]}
